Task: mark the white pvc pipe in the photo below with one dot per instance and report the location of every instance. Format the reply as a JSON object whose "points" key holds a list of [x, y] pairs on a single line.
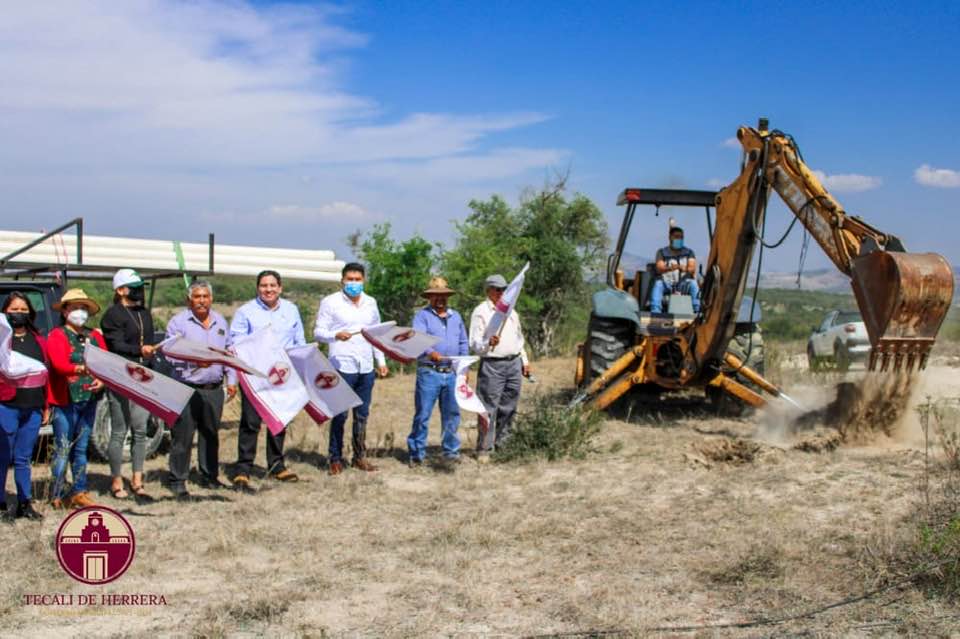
{"points": [[94, 241], [194, 261]]}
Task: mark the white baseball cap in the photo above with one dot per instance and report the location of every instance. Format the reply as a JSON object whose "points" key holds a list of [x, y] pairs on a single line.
{"points": [[127, 277]]}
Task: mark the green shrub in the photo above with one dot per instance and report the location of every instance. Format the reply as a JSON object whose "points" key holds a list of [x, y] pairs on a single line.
{"points": [[549, 429]]}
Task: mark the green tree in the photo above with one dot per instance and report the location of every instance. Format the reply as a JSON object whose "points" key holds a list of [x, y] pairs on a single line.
{"points": [[396, 271], [564, 239]]}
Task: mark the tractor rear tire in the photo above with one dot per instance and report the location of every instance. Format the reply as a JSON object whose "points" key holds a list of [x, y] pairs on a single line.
{"points": [[607, 341]]}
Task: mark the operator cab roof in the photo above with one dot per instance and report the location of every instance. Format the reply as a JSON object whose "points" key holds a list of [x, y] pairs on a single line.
{"points": [[667, 197]]}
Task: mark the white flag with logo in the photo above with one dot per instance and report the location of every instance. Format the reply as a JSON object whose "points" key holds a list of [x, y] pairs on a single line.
{"points": [[467, 398], [399, 343], [16, 369], [279, 396], [181, 348], [163, 396], [505, 306], [329, 394]]}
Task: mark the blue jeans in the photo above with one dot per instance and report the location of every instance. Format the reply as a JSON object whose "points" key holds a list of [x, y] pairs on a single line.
{"points": [[20, 427], [72, 425], [431, 386], [362, 385], [688, 286]]}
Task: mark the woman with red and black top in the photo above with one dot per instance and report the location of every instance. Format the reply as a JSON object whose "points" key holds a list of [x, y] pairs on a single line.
{"points": [[22, 410], [73, 395]]}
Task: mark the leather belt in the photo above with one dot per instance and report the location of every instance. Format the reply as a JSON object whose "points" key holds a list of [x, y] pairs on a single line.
{"points": [[440, 368], [501, 359], [210, 386]]}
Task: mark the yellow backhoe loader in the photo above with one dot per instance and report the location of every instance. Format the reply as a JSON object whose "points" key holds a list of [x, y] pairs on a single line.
{"points": [[903, 297]]}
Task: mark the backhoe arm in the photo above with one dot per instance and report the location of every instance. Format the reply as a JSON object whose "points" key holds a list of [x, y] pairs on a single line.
{"points": [[903, 297]]}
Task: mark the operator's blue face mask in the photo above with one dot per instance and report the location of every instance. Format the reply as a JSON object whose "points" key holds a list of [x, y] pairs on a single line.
{"points": [[353, 289], [676, 243]]}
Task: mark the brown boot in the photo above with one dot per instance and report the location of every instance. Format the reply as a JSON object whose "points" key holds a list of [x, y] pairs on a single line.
{"points": [[242, 484], [336, 468], [80, 500], [57, 504], [286, 475], [363, 464]]}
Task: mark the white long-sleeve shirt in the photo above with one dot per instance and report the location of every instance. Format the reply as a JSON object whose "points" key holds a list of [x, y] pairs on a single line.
{"points": [[337, 313], [511, 337]]}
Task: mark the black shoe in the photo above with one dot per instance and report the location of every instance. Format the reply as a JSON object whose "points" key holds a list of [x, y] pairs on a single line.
{"points": [[211, 483], [3, 506], [25, 509], [185, 497], [413, 462]]}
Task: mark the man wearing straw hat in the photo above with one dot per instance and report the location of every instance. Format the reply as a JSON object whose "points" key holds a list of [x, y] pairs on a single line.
{"points": [[436, 376], [503, 364]]}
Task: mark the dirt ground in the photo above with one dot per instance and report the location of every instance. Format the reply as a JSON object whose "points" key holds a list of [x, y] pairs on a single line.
{"points": [[678, 519]]}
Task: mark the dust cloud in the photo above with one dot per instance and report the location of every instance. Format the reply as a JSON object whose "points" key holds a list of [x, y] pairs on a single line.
{"points": [[871, 409]]}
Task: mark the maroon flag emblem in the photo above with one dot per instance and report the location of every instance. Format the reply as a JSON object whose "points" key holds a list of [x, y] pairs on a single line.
{"points": [[278, 374], [326, 380], [95, 545], [404, 336], [139, 373], [466, 390]]}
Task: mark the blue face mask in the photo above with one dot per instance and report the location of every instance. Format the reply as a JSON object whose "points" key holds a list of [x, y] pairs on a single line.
{"points": [[676, 243], [353, 289]]}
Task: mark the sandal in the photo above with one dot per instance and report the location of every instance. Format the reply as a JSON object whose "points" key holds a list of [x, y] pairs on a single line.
{"points": [[141, 493], [119, 493]]}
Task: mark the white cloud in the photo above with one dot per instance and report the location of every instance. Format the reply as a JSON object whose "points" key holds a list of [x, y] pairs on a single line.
{"points": [[716, 183], [940, 178], [848, 182], [732, 143], [211, 82], [333, 210], [216, 115]]}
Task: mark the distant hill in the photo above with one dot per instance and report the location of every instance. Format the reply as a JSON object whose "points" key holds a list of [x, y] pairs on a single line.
{"points": [[825, 280]]}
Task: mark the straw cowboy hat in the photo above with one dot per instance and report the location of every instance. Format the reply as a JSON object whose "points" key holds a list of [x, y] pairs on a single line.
{"points": [[438, 286], [77, 296]]}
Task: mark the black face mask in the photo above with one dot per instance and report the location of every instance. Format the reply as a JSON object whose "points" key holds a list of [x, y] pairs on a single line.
{"points": [[135, 294], [18, 319]]}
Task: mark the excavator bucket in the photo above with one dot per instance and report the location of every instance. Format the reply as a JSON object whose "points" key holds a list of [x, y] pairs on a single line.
{"points": [[903, 298]]}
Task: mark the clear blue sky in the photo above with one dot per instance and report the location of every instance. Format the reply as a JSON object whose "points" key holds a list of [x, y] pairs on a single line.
{"points": [[295, 124]]}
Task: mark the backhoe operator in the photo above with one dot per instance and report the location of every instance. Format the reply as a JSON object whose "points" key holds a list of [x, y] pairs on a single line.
{"points": [[676, 269]]}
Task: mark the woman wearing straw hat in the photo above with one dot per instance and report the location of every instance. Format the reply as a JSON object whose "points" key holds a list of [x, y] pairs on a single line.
{"points": [[73, 396]]}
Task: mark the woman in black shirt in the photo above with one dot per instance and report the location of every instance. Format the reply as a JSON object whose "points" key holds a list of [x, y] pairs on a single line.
{"points": [[22, 410]]}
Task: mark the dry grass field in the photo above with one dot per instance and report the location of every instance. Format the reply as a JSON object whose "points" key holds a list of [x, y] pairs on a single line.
{"points": [[677, 519]]}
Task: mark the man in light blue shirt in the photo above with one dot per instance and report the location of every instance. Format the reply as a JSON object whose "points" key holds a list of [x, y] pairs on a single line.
{"points": [[283, 318], [436, 376], [339, 319]]}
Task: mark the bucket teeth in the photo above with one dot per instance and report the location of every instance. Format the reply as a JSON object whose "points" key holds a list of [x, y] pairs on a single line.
{"points": [[906, 355]]}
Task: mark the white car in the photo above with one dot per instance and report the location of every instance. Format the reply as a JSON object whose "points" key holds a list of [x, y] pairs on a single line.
{"points": [[841, 340]]}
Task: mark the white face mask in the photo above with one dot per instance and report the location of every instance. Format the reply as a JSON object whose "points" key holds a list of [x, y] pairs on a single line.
{"points": [[78, 317]]}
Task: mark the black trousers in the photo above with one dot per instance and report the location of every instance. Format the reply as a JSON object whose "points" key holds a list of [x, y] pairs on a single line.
{"points": [[201, 415], [250, 423]]}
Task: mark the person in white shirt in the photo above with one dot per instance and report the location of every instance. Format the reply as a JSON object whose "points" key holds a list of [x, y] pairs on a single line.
{"points": [[339, 319], [503, 364]]}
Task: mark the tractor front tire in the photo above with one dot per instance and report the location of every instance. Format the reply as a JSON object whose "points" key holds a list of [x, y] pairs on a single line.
{"points": [[607, 340]]}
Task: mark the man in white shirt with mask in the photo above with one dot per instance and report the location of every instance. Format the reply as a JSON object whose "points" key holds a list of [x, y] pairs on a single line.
{"points": [[339, 319]]}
